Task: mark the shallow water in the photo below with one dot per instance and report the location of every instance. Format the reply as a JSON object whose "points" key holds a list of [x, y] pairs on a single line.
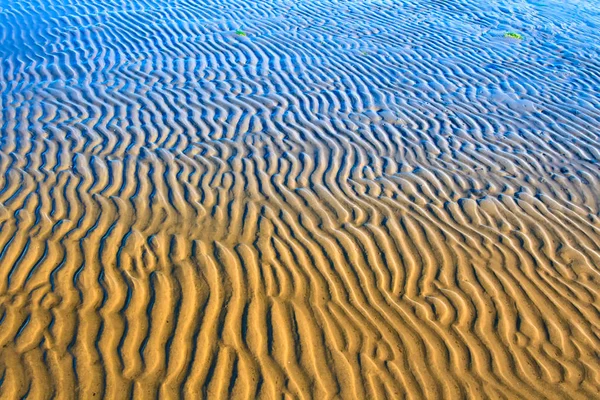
{"points": [[301, 199]]}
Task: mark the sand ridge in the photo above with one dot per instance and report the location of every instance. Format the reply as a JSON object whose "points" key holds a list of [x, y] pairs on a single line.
{"points": [[374, 199]]}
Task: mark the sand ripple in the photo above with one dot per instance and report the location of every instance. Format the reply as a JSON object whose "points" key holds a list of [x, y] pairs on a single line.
{"points": [[363, 199]]}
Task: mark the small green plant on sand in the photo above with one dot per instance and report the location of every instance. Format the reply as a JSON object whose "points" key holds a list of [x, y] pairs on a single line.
{"points": [[240, 32], [513, 35]]}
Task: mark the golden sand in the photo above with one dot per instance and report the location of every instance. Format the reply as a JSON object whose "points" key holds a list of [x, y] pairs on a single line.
{"points": [[307, 199]]}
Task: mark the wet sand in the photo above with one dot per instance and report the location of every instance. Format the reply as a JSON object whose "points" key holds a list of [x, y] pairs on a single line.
{"points": [[299, 199]]}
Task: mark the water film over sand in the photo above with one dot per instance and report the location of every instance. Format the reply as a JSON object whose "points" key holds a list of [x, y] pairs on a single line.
{"points": [[308, 199]]}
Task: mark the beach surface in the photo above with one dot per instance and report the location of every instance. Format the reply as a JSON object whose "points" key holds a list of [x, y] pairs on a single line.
{"points": [[299, 199]]}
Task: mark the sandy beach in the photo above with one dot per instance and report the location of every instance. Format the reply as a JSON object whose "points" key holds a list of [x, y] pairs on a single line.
{"points": [[299, 199]]}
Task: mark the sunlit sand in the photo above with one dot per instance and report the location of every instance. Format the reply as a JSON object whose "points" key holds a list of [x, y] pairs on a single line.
{"points": [[299, 199]]}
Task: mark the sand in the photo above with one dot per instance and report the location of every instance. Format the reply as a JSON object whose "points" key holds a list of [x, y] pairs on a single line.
{"points": [[299, 199]]}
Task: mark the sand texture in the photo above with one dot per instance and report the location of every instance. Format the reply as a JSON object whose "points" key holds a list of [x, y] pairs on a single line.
{"points": [[299, 199]]}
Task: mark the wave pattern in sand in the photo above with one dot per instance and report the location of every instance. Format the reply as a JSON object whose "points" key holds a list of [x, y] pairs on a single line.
{"points": [[363, 199]]}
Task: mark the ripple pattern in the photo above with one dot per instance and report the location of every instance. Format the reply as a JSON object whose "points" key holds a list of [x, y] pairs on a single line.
{"points": [[358, 200]]}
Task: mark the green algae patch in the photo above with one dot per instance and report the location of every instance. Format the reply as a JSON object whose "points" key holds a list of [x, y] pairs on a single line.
{"points": [[513, 35]]}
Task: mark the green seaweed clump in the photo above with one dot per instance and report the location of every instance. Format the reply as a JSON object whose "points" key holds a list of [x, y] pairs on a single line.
{"points": [[240, 32], [513, 35]]}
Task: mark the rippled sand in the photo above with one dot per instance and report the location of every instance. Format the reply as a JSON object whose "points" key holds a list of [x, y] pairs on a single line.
{"points": [[342, 199]]}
